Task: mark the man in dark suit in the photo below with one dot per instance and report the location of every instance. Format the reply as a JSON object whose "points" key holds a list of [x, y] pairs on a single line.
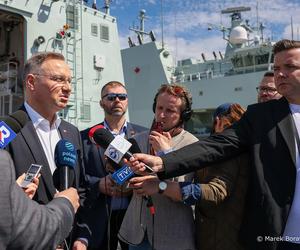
{"points": [[110, 204], [269, 131], [24, 224], [47, 80]]}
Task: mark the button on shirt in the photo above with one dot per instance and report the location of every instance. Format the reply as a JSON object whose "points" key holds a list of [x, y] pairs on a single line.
{"points": [[48, 136], [118, 202], [292, 229]]}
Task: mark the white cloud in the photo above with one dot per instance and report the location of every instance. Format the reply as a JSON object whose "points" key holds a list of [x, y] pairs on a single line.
{"points": [[185, 22]]}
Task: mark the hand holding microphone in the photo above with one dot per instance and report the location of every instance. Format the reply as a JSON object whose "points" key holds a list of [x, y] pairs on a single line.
{"points": [[116, 147], [72, 195]]}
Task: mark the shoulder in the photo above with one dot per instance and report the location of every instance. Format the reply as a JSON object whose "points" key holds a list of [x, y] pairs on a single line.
{"points": [[136, 128], [183, 139], [264, 106], [188, 137], [66, 125], [144, 135]]}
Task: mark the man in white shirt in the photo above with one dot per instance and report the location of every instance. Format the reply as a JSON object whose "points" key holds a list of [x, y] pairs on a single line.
{"points": [[47, 81]]}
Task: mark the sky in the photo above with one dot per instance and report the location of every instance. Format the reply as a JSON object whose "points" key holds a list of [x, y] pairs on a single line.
{"points": [[185, 23]]}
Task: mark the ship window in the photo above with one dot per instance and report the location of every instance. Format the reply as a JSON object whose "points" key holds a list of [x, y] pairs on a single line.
{"points": [[248, 60], [237, 62], [272, 58], [72, 17], [104, 32], [85, 111], [94, 29], [261, 59], [200, 123]]}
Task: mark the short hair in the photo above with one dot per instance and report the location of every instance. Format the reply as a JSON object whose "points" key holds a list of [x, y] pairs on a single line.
{"points": [[269, 74], [285, 44], [176, 90], [34, 63], [112, 84]]}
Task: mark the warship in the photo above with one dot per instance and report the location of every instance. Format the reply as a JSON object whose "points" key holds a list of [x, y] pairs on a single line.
{"points": [[231, 77], [89, 40], [87, 37]]}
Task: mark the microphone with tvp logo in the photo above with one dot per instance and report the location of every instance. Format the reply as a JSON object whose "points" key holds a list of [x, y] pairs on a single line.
{"points": [[65, 159]]}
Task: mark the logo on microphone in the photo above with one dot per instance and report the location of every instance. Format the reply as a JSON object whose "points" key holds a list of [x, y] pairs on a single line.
{"points": [[113, 154], [69, 146], [6, 134]]}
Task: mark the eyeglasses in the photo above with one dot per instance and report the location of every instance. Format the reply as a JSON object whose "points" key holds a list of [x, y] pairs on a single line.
{"points": [[113, 96], [57, 78], [266, 89]]}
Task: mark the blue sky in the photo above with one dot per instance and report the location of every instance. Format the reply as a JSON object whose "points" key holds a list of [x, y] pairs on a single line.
{"points": [[186, 22]]}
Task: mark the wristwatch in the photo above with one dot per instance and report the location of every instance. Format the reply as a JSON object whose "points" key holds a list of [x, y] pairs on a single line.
{"points": [[162, 186]]}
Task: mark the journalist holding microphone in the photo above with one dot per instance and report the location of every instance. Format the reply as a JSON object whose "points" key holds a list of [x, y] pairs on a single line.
{"points": [[24, 224]]}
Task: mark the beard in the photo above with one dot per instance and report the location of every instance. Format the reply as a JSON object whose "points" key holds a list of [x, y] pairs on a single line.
{"points": [[115, 112]]}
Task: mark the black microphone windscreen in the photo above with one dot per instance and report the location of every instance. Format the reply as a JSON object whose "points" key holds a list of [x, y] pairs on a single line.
{"points": [[58, 179], [103, 137], [134, 147], [21, 117], [13, 124], [17, 120]]}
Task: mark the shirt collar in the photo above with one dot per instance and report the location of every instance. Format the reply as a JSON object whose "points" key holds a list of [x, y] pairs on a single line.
{"points": [[122, 131], [38, 120], [295, 108]]}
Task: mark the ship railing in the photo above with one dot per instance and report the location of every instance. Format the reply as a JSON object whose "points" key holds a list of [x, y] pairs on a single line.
{"points": [[198, 76], [253, 68]]}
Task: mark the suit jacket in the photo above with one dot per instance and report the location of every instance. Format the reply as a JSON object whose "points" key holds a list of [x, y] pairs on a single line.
{"points": [[96, 212], [24, 224], [173, 221], [26, 149], [266, 132]]}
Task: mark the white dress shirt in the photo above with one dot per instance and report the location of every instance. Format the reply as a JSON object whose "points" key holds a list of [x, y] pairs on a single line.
{"points": [[292, 229], [48, 136]]}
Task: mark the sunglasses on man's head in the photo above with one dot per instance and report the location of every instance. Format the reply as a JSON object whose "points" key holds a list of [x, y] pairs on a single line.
{"points": [[112, 97]]}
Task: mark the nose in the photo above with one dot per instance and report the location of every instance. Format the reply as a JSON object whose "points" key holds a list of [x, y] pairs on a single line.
{"points": [[67, 87]]}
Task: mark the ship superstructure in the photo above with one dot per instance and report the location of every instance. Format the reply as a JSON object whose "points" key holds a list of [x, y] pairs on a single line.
{"points": [[88, 38], [231, 77]]}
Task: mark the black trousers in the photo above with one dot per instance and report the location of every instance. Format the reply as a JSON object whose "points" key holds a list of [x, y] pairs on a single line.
{"points": [[115, 224], [116, 219]]}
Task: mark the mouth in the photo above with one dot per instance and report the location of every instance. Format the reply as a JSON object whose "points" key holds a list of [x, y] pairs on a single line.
{"points": [[64, 98]]}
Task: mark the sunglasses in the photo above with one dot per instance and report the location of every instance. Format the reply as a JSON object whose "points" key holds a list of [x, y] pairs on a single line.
{"points": [[112, 97]]}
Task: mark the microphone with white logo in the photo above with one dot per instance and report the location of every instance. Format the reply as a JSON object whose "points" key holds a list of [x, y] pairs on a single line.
{"points": [[117, 147], [65, 159]]}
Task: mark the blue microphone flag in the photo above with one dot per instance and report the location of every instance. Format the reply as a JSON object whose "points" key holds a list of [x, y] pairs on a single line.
{"points": [[6, 134], [65, 154]]}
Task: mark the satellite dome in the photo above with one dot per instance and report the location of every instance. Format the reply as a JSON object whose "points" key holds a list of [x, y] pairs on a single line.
{"points": [[238, 35]]}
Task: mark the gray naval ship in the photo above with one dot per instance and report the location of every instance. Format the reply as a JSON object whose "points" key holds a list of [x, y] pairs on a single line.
{"points": [[231, 77], [89, 40], [87, 37]]}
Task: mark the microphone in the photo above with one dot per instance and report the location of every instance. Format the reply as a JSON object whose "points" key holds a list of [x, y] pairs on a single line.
{"points": [[116, 147], [125, 173], [10, 126], [65, 158]]}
